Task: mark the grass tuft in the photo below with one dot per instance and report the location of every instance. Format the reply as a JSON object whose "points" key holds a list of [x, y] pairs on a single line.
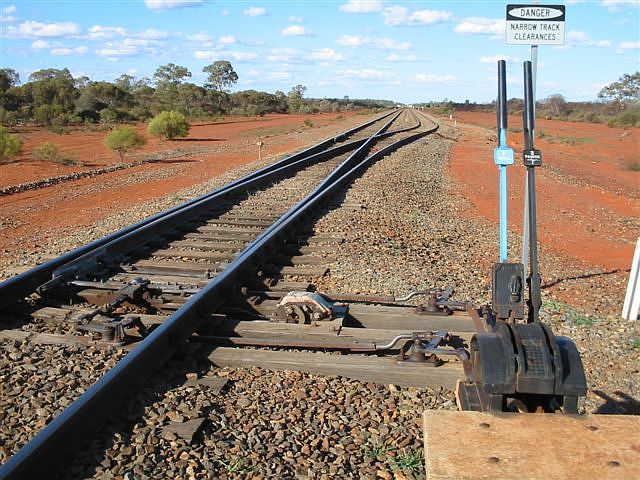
{"points": [[50, 152], [372, 450], [411, 461], [239, 465]]}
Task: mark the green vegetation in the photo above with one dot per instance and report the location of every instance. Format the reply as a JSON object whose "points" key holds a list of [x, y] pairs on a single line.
{"points": [[308, 123], [123, 139], [631, 164], [565, 139], [409, 461], [372, 450], [570, 314], [55, 99], [618, 106], [169, 125], [635, 342], [10, 145], [50, 152], [238, 465]]}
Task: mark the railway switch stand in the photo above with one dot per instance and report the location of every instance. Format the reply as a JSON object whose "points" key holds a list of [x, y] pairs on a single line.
{"points": [[517, 363]]}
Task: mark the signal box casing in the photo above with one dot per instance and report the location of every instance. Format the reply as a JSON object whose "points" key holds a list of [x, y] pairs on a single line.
{"points": [[508, 290]]}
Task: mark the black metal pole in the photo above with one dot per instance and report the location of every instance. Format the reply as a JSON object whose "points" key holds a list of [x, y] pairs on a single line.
{"points": [[532, 159]]}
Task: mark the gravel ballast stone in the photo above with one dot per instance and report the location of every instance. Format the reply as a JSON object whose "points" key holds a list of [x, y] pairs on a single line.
{"points": [[410, 232]]}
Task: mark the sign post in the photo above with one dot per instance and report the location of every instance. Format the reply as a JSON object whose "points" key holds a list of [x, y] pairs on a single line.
{"points": [[533, 24]]}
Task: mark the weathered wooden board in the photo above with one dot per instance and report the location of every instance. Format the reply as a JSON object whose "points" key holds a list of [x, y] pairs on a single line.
{"points": [[512, 446], [367, 368]]}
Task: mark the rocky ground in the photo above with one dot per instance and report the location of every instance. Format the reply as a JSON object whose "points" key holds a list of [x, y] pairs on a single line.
{"points": [[291, 425]]}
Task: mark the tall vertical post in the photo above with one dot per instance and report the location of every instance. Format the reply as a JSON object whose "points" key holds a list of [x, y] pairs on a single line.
{"points": [[532, 158], [503, 156], [525, 221]]}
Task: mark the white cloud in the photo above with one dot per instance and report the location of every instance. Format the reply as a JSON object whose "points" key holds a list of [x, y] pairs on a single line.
{"points": [[41, 44], [577, 38], [617, 5], [390, 44], [394, 57], [227, 39], [151, 33], [240, 56], [38, 29], [169, 4], [199, 37], [432, 78], [141, 42], [224, 13], [284, 55], [255, 12], [629, 45], [294, 19], [493, 60], [69, 51], [380, 43], [113, 50], [366, 73], [361, 6], [100, 32], [294, 31], [353, 41], [481, 26], [231, 55], [5, 13], [326, 54], [398, 15], [279, 75]]}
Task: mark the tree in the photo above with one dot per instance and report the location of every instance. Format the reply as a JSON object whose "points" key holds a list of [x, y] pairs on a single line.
{"points": [[168, 77], [8, 78], [221, 76], [169, 125], [123, 139], [623, 92], [171, 74], [556, 103], [53, 87], [294, 97], [10, 145]]}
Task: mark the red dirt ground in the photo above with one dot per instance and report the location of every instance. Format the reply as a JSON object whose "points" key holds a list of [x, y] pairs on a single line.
{"points": [[588, 194], [587, 191], [34, 218]]}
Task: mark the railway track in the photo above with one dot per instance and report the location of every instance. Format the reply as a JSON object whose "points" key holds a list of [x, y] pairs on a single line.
{"points": [[215, 274]]}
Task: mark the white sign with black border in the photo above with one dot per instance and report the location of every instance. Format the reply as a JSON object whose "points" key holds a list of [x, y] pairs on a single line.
{"points": [[534, 24]]}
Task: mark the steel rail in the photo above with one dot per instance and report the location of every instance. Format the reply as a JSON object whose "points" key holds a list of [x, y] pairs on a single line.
{"points": [[18, 287], [43, 454], [153, 230]]}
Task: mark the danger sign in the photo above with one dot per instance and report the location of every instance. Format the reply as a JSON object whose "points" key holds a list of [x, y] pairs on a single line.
{"points": [[535, 24]]}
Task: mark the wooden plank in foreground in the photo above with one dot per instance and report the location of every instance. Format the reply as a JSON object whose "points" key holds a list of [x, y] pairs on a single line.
{"points": [[512, 446], [366, 368]]}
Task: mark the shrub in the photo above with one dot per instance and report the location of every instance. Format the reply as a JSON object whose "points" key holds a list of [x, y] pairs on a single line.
{"points": [[10, 145], [108, 116], [123, 139], [169, 125], [627, 118], [50, 152], [45, 114]]}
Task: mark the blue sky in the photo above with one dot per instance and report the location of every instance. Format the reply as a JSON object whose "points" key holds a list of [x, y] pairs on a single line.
{"points": [[402, 51]]}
